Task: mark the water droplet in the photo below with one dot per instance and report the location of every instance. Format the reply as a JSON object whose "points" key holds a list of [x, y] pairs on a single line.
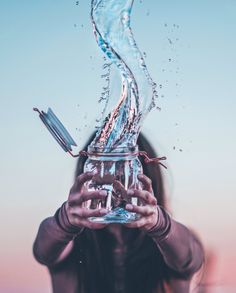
{"points": [[180, 150], [173, 147], [106, 65], [169, 59]]}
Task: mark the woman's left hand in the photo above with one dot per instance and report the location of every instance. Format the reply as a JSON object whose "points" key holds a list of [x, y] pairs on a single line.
{"points": [[148, 211]]}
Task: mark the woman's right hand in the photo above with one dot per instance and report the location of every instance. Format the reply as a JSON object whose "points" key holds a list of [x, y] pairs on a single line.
{"points": [[77, 213]]}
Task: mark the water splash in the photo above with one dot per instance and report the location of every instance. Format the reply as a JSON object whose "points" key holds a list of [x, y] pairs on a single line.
{"points": [[111, 23], [105, 95]]}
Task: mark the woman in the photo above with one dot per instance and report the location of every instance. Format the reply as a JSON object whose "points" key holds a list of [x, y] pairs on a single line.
{"points": [[151, 255]]}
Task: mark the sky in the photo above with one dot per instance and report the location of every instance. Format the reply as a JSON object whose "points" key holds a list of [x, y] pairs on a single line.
{"points": [[49, 58]]}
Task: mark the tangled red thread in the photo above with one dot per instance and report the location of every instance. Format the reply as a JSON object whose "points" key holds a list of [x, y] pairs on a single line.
{"points": [[151, 160]]}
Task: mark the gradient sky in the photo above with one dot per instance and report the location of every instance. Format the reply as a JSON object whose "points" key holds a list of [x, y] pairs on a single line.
{"points": [[49, 57]]}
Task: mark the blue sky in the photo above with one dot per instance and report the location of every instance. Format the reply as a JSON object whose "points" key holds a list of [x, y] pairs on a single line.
{"points": [[49, 57]]}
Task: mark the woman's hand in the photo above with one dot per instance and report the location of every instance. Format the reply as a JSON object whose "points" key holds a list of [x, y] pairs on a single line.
{"points": [[78, 214], [148, 211]]}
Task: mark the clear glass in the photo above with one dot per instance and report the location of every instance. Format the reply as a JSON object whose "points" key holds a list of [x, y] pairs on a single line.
{"points": [[122, 164]]}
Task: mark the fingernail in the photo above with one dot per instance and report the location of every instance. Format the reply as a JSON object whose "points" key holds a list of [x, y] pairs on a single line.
{"points": [[129, 207], [130, 192], [90, 173], [103, 211], [103, 192]]}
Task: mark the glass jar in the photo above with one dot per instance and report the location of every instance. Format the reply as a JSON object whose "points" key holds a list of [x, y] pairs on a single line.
{"points": [[122, 165]]}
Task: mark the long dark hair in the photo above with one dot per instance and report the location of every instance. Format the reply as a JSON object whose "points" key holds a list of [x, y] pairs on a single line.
{"points": [[145, 269]]}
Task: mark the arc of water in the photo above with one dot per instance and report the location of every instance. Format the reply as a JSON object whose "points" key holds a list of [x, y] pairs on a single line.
{"points": [[111, 24]]}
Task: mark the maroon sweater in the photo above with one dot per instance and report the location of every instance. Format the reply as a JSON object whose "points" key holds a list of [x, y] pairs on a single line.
{"points": [[57, 246]]}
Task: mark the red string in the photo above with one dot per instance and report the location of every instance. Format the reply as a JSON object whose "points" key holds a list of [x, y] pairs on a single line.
{"points": [[151, 160], [140, 153], [83, 153]]}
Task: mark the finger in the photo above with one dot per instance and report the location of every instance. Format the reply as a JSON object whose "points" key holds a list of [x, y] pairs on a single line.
{"points": [[79, 198], [95, 226], [142, 210], [80, 180], [136, 224], [144, 195], [119, 187], [106, 179], [146, 181], [91, 225], [86, 213]]}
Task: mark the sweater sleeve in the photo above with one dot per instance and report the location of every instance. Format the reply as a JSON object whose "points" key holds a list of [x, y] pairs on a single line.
{"points": [[180, 248], [55, 235]]}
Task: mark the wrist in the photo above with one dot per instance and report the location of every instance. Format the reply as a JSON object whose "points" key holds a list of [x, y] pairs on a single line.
{"points": [[154, 224], [64, 222], [161, 229]]}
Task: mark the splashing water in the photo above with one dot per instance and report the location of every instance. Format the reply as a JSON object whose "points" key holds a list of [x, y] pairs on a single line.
{"points": [[111, 23]]}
